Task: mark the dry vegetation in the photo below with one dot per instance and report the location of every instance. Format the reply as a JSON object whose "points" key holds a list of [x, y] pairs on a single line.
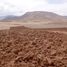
{"points": [[24, 47]]}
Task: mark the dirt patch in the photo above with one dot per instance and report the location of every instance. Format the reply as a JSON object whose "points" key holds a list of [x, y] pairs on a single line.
{"points": [[25, 47], [7, 25]]}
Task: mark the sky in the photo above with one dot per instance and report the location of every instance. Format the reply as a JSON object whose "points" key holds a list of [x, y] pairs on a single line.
{"points": [[19, 7]]}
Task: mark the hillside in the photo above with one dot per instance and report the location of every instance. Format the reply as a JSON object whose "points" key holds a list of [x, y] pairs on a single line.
{"points": [[40, 16], [9, 18], [37, 16]]}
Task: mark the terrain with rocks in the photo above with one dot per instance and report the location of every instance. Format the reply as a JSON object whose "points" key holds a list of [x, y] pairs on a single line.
{"points": [[26, 47]]}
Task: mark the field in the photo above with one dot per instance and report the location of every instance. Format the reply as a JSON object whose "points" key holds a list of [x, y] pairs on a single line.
{"points": [[27, 47], [7, 25]]}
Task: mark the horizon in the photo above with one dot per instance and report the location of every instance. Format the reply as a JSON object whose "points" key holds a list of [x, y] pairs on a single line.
{"points": [[19, 7], [32, 11]]}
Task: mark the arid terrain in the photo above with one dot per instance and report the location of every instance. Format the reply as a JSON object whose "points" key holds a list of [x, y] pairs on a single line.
{"points": [[28, 47], [35, 19], [35, 39], [7, 25]]}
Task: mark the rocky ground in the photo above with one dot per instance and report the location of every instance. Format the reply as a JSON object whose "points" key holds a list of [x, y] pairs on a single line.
{"points": [[24, 47]]}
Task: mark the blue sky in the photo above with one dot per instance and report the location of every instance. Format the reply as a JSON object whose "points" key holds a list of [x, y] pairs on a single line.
{"points": [[19, 7], [56, 1]]}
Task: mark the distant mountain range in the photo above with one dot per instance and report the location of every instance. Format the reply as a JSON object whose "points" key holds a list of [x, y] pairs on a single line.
{"points": [[65, 17], [9, 18], [37, 16]]}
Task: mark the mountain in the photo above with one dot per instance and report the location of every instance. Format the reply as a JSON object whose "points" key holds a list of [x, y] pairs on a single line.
{"points": [[65, 17], [41, 16], [2, 17], [37, 16], [9, 18]]}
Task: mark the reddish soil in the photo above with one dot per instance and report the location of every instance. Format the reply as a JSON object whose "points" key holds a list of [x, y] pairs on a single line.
{"points": [[24, 47]]}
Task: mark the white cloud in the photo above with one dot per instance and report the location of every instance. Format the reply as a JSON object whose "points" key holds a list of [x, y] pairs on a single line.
{"points": [[18, 7]]}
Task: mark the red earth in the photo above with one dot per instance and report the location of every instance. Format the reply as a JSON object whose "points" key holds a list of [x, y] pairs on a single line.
{"points": [[25, 47]]}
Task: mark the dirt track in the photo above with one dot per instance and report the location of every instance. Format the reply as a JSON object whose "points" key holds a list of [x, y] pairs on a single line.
{"points": [[24, 47]]}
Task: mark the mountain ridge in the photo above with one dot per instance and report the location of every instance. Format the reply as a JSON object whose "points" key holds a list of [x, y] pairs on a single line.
{"points": [[37, 16]]}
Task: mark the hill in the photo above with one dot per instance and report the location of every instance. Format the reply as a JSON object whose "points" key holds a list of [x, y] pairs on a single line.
{"points": [[41, 16], [9, 18], [37, 16]]}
